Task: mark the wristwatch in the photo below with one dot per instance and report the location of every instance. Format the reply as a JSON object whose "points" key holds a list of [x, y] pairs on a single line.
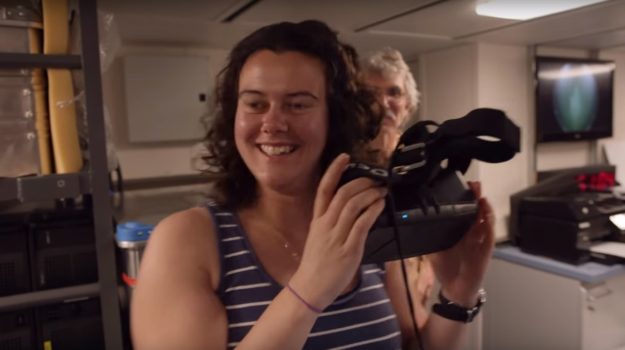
{"points": [[450, 310]]}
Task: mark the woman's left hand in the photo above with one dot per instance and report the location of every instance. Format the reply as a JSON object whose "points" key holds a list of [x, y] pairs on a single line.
{"points": [[461, 268]]}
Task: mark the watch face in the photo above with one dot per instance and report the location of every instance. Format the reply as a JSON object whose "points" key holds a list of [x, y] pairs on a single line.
{"points": [[471, 314], [481, 299], [481, 296]]}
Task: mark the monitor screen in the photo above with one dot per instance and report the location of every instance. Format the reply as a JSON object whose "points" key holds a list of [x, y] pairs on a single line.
{"points": [[573, 99]]}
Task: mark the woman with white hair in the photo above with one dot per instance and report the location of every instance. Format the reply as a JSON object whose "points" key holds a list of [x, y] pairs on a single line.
{"points": [[460, 269], [390, 78]]}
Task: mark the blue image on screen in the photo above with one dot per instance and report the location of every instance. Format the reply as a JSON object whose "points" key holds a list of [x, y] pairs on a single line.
{"points": [[575, 98]]}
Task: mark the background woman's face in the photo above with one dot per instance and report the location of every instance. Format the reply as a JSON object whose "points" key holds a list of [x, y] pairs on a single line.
{"points": [[281, 122], [390, 92]]}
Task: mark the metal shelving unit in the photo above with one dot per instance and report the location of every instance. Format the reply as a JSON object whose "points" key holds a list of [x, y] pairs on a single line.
{"points": [[93, 181], [24, 300], [43, 188], [26, 60]]}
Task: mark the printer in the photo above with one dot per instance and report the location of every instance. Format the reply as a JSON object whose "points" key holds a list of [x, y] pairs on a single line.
{"points": [[567, 212]]}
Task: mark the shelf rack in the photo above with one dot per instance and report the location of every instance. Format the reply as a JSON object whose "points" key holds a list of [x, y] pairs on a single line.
{"points": [[25, 300], [93, 181], [42, 188], [31, 60]]}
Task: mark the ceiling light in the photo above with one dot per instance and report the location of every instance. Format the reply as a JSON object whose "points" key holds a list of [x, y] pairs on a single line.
{"points": [[527, 9]]}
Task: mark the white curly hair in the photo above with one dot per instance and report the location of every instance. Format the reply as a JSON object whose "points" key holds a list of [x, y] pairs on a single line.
{"points": [[389, 62]]}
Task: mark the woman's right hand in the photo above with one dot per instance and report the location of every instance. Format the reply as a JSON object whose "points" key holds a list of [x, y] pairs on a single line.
{"points": [[341, 221]]}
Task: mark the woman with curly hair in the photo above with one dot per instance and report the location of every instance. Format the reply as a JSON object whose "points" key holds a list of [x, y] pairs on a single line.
{"points": [[273, 261]]}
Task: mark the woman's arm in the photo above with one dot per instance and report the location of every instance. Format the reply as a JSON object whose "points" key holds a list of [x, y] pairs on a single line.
{"points": [[436, 332], [421, 281], [175, 307], [173, 304], [460, 271]]}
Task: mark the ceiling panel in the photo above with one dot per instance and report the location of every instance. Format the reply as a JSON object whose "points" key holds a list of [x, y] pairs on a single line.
{"points": [[603, 40], [616, 49], [595, 19], [413, 26], [189, 9], [177, 32], [410, 46], [447, 19], [339, 14]]}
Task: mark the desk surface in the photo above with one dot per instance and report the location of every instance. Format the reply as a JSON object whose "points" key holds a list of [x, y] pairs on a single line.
{"points": [[590, 272]]}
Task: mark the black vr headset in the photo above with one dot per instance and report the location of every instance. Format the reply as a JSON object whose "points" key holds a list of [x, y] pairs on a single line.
{"points": [[429, 207]]}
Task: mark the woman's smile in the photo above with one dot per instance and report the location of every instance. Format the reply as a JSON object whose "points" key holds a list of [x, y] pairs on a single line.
{"points": [[281, 120], [277, 150]]}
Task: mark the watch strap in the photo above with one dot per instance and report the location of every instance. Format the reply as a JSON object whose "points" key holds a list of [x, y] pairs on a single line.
{"points": [[450, 310]]}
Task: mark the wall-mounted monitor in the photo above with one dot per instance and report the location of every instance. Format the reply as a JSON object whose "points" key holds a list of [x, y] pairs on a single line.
{"points": [[574, 99]]}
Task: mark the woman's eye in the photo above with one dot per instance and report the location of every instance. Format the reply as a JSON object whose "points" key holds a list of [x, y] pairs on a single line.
{"points": [[394, 92], [298, 106], [255, 106]]}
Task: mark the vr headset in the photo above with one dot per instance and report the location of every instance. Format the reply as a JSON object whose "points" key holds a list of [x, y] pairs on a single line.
{"points": [[429, 206]]}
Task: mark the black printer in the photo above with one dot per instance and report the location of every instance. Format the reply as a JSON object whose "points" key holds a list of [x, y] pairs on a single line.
{"points": [[565, 212]]}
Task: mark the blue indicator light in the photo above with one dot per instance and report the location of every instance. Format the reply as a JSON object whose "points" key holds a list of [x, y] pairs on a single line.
{"points": [[404, 216]]}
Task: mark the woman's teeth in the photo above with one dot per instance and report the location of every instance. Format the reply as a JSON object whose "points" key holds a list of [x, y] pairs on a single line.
{"points": [[276, 150]]}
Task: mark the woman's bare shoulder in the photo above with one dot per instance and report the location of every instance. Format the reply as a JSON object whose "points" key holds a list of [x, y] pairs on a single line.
{"points": [[177, 280], [188, 239], [194, 221]]}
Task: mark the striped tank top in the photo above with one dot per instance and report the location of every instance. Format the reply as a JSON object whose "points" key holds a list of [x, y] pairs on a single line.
{"points": [[361, 319]]}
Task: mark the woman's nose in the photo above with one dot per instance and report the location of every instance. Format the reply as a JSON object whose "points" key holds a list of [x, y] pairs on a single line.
{"points": [[274, 121]]}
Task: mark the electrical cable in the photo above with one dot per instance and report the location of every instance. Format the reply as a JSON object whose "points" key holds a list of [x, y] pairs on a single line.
{"points": [[390, 202]]}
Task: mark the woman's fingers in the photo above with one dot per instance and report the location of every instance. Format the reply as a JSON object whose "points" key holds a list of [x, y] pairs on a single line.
{"points": [[482, 230], [360, 229], [344, 194], [485, 215], [487, 212], [355, 207], [488, 217], [328, 183], [476, 187]]}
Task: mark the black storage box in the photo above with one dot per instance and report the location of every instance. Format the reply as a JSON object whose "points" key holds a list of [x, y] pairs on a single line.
{"points": [[63, 250], [14, 262], [17, 330], [73, 325]]}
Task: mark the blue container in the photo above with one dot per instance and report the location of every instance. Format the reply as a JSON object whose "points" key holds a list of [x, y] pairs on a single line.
{"points": [[132, 238], [133, 231]]}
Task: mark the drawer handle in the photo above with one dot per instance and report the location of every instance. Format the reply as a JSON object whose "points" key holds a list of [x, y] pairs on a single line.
{"points": [[590, 297]]}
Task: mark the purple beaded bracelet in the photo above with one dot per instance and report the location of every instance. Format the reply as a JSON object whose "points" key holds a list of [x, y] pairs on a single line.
{"points": [[309, 306]]}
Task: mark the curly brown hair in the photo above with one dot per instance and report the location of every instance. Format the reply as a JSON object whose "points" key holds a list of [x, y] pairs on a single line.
{"points": [[354, 114]]}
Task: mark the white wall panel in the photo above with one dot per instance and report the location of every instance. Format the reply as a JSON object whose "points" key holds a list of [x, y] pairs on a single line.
{"points": [[163, 97]]}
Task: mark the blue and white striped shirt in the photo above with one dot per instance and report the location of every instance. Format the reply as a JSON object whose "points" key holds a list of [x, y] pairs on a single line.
{"points": [[361, 319]]}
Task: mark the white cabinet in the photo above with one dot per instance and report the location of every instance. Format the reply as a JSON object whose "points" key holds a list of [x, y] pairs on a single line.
{"points": [[532, 308]]}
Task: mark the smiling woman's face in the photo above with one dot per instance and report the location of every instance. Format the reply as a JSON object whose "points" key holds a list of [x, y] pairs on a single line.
{"points": [[281, 122]]}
